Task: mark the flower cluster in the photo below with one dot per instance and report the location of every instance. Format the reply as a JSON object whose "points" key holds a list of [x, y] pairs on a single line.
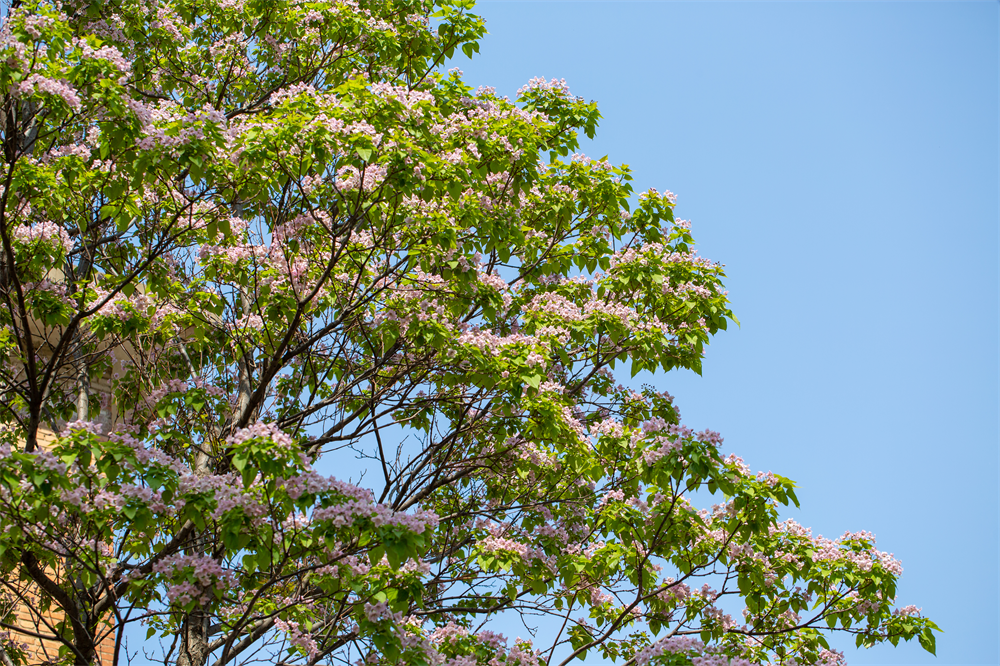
{"points": [[368, 179], [36, 83], [193, 578], [298, 638], [261, 430], [48, 233], [558, 86]]}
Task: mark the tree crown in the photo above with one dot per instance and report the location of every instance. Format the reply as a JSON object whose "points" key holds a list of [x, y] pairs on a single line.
{"points": [[244, 241]]}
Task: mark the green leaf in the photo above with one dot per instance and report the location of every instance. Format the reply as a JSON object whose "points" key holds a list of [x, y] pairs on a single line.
{"points": [[248, 475], [927, 640], [394, 554]]}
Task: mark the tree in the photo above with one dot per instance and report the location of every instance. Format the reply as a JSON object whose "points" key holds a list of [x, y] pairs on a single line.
{"points": [[245, 239]]}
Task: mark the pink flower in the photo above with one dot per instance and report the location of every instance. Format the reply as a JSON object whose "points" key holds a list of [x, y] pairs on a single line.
{"points": [[86, 426], [38, 83], [349, 178], [557, 86], [208, 574], [260, 430], [48, 233], [298, 637]]}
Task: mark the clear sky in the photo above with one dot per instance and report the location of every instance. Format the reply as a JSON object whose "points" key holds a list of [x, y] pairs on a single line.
{"points": [[842, 160]]}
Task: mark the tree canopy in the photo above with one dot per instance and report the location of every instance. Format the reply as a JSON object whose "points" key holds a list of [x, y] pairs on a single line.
{"points": [[249, 242]]}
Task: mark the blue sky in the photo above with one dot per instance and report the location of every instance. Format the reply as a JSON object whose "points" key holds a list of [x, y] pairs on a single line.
{"points": [[842, 160]]}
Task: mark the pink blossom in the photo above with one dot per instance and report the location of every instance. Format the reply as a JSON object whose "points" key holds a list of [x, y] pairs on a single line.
{"points": [[208, 574], [92, 427], [110, 54], [45, 232], [260, 430], [38, 83], [557, 86], [493, 544], [486, 340], [555, 304], [448, 632], [380, 611], [609, 428], [46, 460], [349, 178], [298, 638]]}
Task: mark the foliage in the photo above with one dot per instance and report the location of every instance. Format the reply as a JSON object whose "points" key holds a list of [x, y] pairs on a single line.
{"points": [[245, 241]]}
